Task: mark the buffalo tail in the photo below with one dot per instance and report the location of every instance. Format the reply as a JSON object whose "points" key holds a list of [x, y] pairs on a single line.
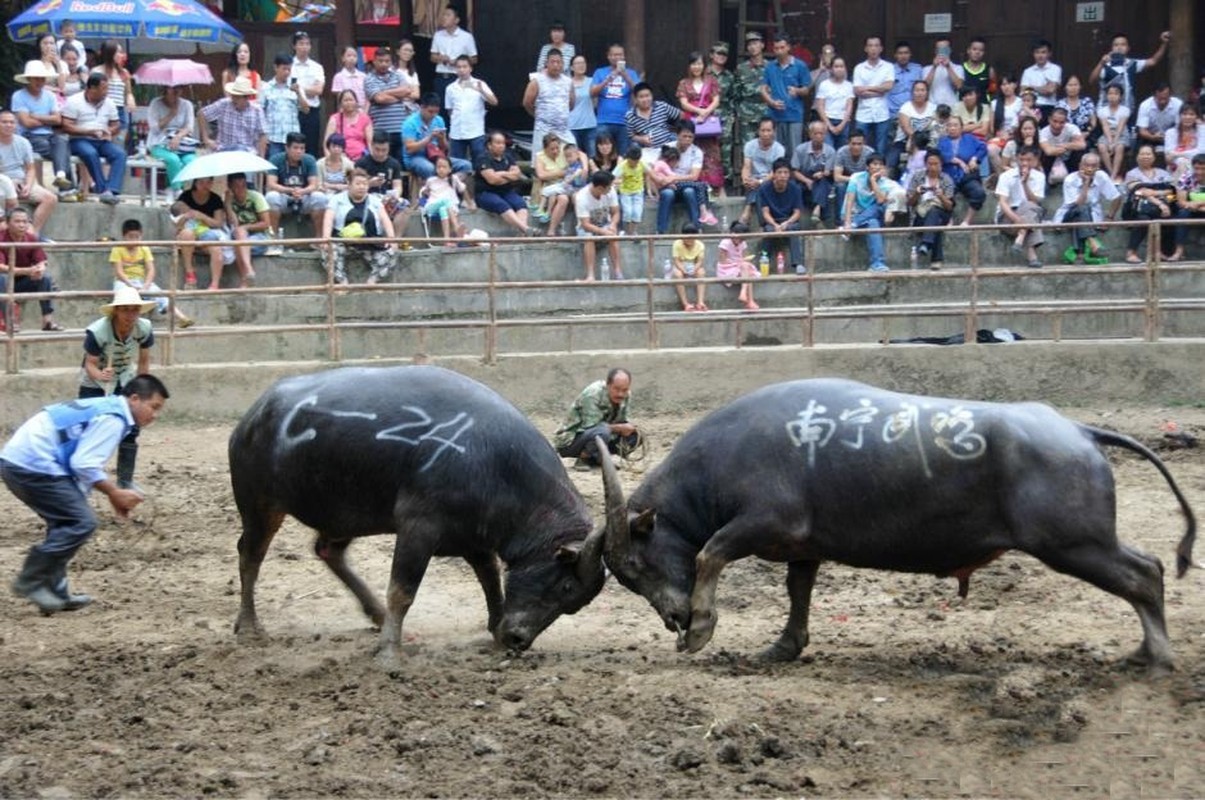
{"points": [[1184, 549]]}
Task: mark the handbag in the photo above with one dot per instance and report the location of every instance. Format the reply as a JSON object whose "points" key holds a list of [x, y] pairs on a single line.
{"points": [[187, 144], [709, 127], [713, 125]]}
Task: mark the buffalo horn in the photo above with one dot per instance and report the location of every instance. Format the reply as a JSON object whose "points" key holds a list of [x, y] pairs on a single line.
{"points": [[618, 535], [589, 559]]}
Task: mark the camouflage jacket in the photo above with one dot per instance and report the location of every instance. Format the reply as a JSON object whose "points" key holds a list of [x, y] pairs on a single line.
{"points": [[746, 93]]}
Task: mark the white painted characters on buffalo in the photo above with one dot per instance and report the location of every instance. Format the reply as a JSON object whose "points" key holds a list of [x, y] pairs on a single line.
{"points": [[953, 430], [421, 429]]}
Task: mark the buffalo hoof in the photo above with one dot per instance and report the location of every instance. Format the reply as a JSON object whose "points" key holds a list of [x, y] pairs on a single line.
{"points": [[1156, 666], [249, 632], [702, 626], [781, 652], [388, 658]]}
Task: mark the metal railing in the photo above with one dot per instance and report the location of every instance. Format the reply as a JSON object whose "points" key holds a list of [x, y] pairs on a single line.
{"points": [[1151, 304]]}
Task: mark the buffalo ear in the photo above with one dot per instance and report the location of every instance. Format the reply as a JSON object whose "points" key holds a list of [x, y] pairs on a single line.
{"points": [[568, 553], [642, 524]]}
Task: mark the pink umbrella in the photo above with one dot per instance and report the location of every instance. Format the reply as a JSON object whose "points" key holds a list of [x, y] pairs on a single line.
{"points": [[173, 72]]}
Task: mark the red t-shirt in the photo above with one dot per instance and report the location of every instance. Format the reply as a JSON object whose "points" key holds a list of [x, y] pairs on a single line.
{"points": [[25, 257]]}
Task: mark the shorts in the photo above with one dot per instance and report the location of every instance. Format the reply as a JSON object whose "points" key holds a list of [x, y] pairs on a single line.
{"points": [[501, 202], [631, 207], [217, 235], [440, 208], [279, 201]]}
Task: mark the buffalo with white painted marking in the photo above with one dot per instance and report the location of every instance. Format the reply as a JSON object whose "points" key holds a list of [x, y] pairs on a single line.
{"points": [[442, 461], [832, 470]]}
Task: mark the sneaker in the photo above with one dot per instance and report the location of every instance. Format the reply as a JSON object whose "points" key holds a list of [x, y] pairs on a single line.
{"points": [[936, 264], [583, 465], [879, 268], [707, 218], [541, 216], [109, 199], [69, 195], [61, 181], [800, 269], [274, 250], [190, 280], [185, 322], [922, 249]]}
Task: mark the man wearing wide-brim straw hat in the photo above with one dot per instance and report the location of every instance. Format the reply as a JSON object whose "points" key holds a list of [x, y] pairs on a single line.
{"points": [[117, 349], [39, 121], [241, 123]]}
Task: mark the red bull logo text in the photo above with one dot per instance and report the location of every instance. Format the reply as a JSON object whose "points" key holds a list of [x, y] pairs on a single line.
{"points": [[170, 7], [100, 7]]}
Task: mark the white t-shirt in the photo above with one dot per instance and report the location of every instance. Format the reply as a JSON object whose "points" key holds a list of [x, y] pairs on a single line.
{"points": [[458, 43], [596, 209], [688, 160], [308, 73], [1102, 188], [941, 88], [1116, 119], [1010, 190], [929, 112], [15, 157], [467, 107], [1153, 118], [87, 116], [1011, 110], [1037, 77], [835, 96], [1046, 136], [873, 109]]}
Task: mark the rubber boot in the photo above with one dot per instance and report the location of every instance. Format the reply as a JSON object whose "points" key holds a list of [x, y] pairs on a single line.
{"points": [[127, 455], [58, 584], [34, 582]]}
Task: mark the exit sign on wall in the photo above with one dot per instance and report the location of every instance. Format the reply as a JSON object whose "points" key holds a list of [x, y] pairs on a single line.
{"points": [[1089, 12]]}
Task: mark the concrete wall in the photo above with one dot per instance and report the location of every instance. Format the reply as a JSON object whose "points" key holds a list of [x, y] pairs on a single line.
{"points": [[668, 381]]}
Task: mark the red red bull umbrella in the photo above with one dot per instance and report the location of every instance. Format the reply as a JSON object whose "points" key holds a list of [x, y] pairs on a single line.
{"points": [[182, 21]]}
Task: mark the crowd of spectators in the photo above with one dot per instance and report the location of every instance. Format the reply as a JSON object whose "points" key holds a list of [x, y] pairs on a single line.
{"points": [[859, 140]]}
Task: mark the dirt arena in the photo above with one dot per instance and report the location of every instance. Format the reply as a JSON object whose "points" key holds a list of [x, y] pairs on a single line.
{"points": [[904, 691]]}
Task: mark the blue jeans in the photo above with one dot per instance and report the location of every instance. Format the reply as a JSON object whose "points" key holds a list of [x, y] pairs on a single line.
{"points": [[473, 149], [55, 147], [585, 141], [794, 243], [91, 151], [619, 133], [420, 166], [666, 203], [837, 140], [818, 196], [876, 135], [872, 217], [69, 519], [934, 217]]}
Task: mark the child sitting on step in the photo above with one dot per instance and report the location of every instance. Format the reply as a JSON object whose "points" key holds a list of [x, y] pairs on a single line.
{"points": [[442, 192]]}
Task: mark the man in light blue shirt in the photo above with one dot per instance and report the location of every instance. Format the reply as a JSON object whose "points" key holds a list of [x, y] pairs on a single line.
{"points": [[419, 132], [51, 464]]}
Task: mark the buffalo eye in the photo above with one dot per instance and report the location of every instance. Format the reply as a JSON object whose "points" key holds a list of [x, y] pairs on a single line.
{"points": [[568, 586]]}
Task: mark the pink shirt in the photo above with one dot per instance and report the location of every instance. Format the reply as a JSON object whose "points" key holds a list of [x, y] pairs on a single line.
{"points": [[354, 81], [354, 132]]}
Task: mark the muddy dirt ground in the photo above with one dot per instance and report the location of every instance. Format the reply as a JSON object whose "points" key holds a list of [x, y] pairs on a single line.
{"points": [[904, 691]]}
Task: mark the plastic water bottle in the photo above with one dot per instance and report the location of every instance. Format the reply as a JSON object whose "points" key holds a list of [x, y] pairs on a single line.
{"points": [[912, 257], [605, 269], [763, 264], [781, 265], [669, 268], [724, 222]]}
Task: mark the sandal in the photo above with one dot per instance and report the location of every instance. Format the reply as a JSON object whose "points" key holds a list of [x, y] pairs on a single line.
{"points": [[1133, 259], [190, 280], [689, 307], [52, 326]]}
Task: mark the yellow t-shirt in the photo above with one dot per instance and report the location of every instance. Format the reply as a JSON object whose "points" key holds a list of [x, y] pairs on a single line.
{"points": [[630, 178], [133, 263], [688, 255]]}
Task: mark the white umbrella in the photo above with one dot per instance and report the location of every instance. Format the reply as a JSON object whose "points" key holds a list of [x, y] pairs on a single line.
{"points": [[227, 162]]}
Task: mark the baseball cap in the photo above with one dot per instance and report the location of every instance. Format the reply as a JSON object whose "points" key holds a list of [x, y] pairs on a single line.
{"points": [[752, 36]]}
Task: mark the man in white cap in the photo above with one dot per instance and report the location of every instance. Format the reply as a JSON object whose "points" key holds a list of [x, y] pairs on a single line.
{"points": [[51, 464], [39, 121], [241, 123], [117, 349]]}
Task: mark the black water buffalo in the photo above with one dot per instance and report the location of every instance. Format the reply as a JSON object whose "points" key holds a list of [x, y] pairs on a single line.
{"points": [[832, 470], [445, 463]]}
